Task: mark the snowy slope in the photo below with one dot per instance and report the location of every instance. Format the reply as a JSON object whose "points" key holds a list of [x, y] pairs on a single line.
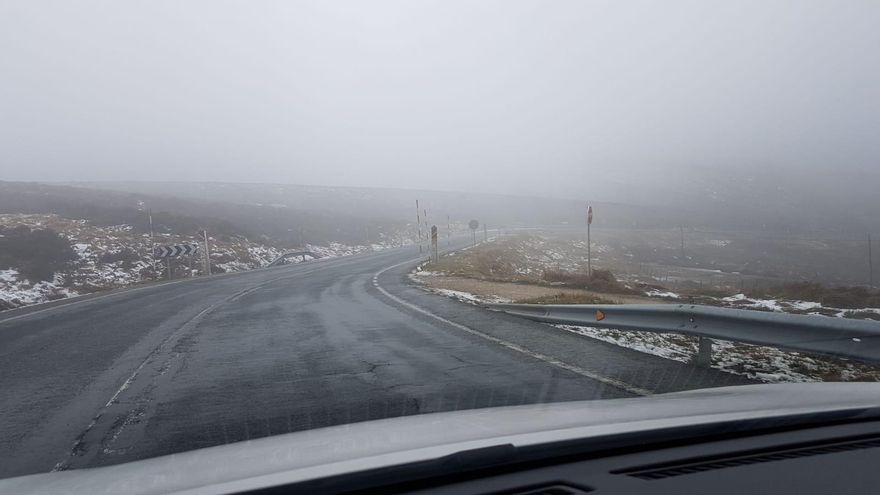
{"points": [[115, 256]]}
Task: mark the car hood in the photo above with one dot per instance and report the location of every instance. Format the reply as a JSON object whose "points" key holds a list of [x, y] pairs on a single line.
{"points": [[355, 447]]}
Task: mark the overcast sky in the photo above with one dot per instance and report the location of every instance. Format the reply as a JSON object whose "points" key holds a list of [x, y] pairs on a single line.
{"points": [[546, 97]]}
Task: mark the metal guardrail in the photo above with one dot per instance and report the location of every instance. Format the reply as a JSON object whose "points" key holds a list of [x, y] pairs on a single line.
{"points": [[291, 254], [857, 339]]}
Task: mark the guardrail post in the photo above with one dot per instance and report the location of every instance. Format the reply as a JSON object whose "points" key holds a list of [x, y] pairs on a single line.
{"points": [[703, 358]]}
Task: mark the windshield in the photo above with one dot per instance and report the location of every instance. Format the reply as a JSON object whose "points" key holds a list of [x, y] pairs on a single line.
{"points": [[226, 221]]}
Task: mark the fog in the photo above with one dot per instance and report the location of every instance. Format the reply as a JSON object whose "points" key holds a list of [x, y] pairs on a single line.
{"points": [[611, 100]]}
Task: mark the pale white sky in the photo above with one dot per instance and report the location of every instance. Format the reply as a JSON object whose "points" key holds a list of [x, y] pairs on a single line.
{"points": [[544, 97]]}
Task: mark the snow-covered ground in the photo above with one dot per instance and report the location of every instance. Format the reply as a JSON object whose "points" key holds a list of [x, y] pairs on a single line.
{"points": [[15, 292], [116, 256], [792, 306], [757, 362], [761, 363]]}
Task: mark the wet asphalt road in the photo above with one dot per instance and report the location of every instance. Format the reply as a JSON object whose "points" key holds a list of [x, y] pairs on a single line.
{"points": [[203, 362]]}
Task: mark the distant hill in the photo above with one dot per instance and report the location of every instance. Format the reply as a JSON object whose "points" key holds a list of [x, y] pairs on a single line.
{"points": [[186, 213], [398, 205], [289, 214]]}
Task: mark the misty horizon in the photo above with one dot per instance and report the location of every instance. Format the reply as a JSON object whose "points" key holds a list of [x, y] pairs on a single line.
{"points": [[569, 100]]}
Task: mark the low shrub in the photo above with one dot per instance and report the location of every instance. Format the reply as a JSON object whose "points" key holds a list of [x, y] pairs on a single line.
{"points": [[36, 254]]}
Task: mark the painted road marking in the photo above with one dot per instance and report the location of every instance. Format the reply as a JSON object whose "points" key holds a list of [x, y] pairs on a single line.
{"points": [[536, 355]]}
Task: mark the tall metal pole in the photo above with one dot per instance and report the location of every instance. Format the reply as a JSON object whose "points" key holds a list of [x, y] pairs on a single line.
{"points": [[152, 241], [207, 253], [589, 242], [419, 225], [448, 230], [870, 264], [589, 253], [681, 228]]}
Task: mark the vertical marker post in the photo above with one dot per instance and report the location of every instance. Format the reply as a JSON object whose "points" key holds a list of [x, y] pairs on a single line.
{"points": [[152, 242], [207, 253], [419, 225], [681, 228], [870, 264], [589, 243], [435, 252]]}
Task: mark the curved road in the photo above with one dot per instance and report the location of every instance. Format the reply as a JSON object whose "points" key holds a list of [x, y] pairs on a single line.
{"points": [[201, 362]]}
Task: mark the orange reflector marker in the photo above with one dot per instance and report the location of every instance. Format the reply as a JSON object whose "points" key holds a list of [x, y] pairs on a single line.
{"points": [[600, 315]]}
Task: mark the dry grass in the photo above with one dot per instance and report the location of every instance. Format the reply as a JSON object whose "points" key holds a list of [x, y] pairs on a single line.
{"points": [[498, 260], [567, 298], [512, 260], [600, 281]]}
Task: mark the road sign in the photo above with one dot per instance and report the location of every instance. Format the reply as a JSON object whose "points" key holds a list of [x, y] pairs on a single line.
{"points": [[473, 224], [175, 250], [590, 215]]}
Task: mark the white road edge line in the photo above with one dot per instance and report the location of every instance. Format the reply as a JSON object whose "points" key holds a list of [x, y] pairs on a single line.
{"points": [[547, 359]]}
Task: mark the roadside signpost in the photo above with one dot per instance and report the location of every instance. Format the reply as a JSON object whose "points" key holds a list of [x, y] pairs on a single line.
{"points": [[473, 224], [174, 251], [207, 253], [435, 253], [419, 226]]}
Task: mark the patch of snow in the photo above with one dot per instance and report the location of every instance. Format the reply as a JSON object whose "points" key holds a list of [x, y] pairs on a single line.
{"points": [[771, 304], [462, 296], [669, 346], [15, 292], [8, 275], [777, 305], [805, 305], [234, 266], [456, 294], [761, 363], [658, 293]]}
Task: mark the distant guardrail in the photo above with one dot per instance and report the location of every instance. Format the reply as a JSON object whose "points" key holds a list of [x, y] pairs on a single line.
{"points": [[848, 338], [293, 254]]}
